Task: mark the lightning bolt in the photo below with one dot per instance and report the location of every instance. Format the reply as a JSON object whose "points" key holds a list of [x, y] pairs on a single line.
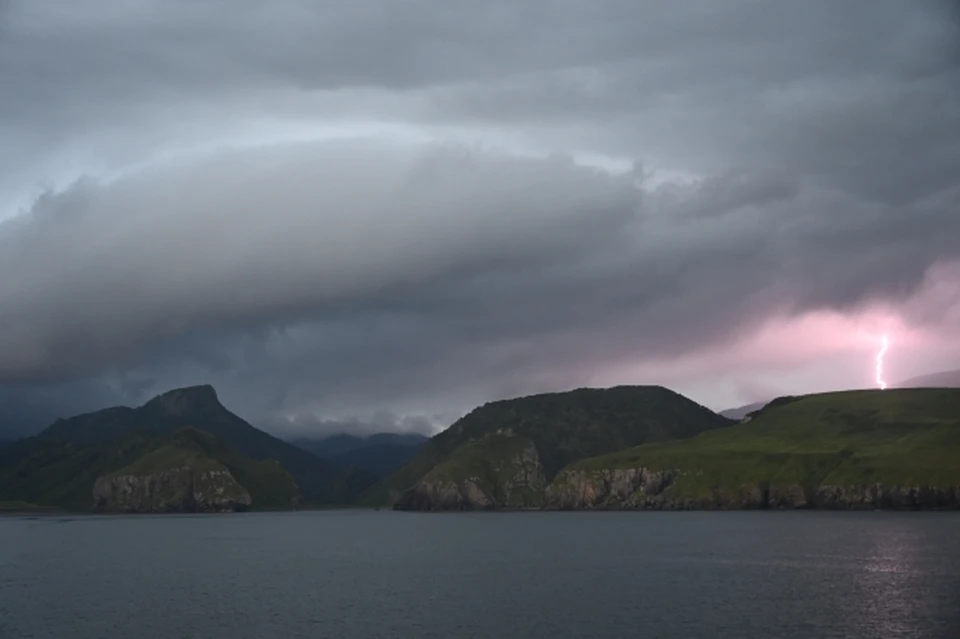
{"points": [[878, 368]]}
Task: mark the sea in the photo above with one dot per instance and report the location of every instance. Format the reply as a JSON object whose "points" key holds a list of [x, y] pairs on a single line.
{"points": [[355, 574]]}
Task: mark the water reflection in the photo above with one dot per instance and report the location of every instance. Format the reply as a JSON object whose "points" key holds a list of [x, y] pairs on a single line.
{"points": [[891, 588]]}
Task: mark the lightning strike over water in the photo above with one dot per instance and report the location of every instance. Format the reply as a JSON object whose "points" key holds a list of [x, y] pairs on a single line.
{"points": [[878, 368]]}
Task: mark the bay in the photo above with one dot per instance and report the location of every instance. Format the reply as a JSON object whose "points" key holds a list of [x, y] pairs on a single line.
{"points": [[365, 574]]}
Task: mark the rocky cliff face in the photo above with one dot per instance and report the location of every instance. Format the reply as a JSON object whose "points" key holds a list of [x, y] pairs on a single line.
{"points": [[520, 479], [646, 489], [888, 497], [185, 489], [620, 488], [428, 494], [513, 479], [641, 488]]}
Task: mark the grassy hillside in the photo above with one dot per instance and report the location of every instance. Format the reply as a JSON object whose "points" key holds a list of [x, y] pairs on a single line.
{"points": [[898, 437], [19, 507], [319, 481], [564, 427], [498, 465], [60, 474], [269, 485]]}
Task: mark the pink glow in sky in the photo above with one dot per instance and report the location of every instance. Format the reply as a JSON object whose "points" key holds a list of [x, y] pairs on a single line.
{"points": [[819, 351]]}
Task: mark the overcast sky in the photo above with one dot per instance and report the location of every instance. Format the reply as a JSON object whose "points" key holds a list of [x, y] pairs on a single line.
{"points": [[379, 214]]}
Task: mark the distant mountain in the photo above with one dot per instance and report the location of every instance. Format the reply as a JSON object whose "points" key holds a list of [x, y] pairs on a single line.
{"points": [[342, 443], [945, 379], [60, 465], [740, 412], [380, 454], [865, 449], [380, 460], [504, 453]]}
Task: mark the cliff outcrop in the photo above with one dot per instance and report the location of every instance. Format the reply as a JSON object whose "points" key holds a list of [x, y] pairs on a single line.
{"points": [[642, 488], [893, 497], [501, 470], [187, 489]]}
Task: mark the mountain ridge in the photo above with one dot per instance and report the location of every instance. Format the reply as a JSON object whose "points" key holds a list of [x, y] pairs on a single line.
{"points": [[340, 443], [89, 434], [379, 453], [942, 379], [740, 412]]}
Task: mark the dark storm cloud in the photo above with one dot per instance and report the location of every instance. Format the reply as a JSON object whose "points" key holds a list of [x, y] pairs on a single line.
{"points": [[26, 408], [817, 145], [259, 236]]}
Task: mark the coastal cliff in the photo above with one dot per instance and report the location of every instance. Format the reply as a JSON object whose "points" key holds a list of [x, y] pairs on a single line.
{"points": [[849, 450], [917, 497], [642, 488], [185, 489], [648, 489], [504, 453], [500, 470], [58, 467], [894, 449]]}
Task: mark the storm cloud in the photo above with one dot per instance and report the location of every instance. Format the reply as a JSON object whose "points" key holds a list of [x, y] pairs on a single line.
{"points": [[383, 214]]}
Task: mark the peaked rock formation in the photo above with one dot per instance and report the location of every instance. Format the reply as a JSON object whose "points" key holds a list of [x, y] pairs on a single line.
{"points": [[318, 480]]}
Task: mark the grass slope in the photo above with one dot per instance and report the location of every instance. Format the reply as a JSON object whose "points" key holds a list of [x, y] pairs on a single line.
{"points": [[60, 474], [19, 507], [269, 485], [896, 437], [488, 461], [563, 426]]}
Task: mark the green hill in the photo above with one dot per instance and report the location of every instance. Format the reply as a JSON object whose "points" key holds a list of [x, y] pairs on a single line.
{"points": [[893, 448], [62, 475], [221, 478], [59, 466], [505, 452]]}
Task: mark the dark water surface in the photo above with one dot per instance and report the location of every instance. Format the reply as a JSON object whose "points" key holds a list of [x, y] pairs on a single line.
{"points": [[352, 574]]}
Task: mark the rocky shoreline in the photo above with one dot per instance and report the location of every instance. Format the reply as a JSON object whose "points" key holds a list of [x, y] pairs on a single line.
{"points": [[645, 489], [178, 490]]}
